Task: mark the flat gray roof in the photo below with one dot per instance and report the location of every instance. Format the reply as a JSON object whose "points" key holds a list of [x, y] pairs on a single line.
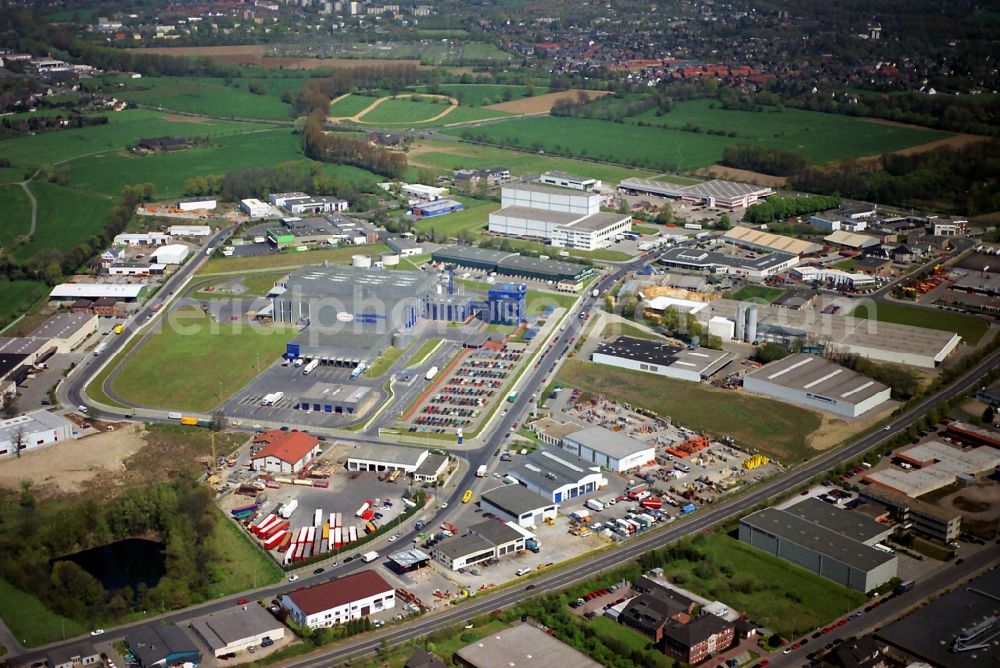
{"points": [[343, 280], [396, 454], [472, 253], [703, 360], [612, 443], [597, 221], [930, 632], [818, 375], [817, 538], [523, 646], [703, 259], [460, 546], [62, 325], [544, 215], [495, 531], [22, 345], [335, 392], [516, 499], [225, 627], [409, 558], [568, 177], [716, 188], [853, 525], [431, 465], [551, 469], [32, 422], [551, 190], [553, 268]]}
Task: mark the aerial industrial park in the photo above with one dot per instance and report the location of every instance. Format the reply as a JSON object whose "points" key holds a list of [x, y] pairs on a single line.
{"points": [[490, 347]]}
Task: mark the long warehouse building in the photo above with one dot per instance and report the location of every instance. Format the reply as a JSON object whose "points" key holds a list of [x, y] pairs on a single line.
{"points": [[512, 264], [818, 383]]}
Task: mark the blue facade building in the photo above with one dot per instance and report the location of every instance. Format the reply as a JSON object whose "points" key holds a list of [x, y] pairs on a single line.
{"points": [[507, 303]]}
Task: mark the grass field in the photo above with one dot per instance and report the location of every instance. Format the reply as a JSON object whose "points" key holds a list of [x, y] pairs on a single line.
{"points": [[818, 136], [11, 175], [628, 329], [30, 621], [169, 369], [384, 361], [776, 429], [407, 112], [423, 351], [95, 389], [446, 156], [17, 297], [760, 293], [123, 128], [240, 565], [66, 217], [350, 105], [478, 95], [538, 300], [778, 594], [16, 219], [288, 259], [206, 96], [110, 172], [970, 328], [604, 627], [645, 229], [473, 217]]}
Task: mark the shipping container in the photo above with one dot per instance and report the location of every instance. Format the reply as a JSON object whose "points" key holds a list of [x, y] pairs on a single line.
{"points": [[354, 534], [275, 528], [326, 530], [289, 508], [364, 506], [338, 537], [433, 371], [318, 517], [370, 528]]}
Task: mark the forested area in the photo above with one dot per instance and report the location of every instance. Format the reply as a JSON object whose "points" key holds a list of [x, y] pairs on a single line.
{"points": [[776, 161], [180, 513]]}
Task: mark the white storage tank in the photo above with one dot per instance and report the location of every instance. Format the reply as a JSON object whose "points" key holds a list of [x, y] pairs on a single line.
{"points": [[390, 259], [363, 261]]}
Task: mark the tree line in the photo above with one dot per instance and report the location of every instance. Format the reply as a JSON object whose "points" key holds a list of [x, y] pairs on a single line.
{"points": [[314, 100], [779, 208], [764, 159], [34, 542]]}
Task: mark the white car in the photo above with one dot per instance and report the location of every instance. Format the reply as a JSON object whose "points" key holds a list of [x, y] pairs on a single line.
{"points": [[97, 632], [393, 537], [443, 505], [293, 578]]}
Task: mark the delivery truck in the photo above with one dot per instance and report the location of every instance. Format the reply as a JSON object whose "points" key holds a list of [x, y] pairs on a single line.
{"points": [[481, 471], [595, 505], [433, 371], [309, 368], [289, 508], [369, 557]]}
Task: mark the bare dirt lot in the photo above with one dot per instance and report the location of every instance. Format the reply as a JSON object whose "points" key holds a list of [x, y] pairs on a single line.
{"points": [[833, 430], [979, 502], [542, 104], [178, 118], [68, 467], [255, 54], [955, 141], [745, 175]]}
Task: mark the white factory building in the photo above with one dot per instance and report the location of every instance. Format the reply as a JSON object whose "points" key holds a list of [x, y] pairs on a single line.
{"points": [[420, 191], [170, 254], [237, 629], [190, 230], [340, 600], [370, 457], [558, 475], [34, 430], [661, 358], [564, 180], [255, 208], [141, 239], [855, 279], [519, 505], [484, 541], [608, 449], [816, 382], [566, 218], [197, 205]]}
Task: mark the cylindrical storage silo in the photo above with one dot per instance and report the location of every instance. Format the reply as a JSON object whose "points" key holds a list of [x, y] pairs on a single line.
{"points": [[751, 331], [741, 321], [363, 261]]}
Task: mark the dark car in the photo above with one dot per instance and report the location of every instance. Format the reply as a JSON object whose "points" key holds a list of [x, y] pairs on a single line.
{"points": [[318, 570], [348, 560], [530, 587]]}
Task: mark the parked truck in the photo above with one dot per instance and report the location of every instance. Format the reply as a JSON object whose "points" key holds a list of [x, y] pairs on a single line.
{"points": [[904, 587], [272, 398], [433, 371], [101, 347], [369, 557], [289, 508], [309, 368], [595, 293], [595, 505], [189, 421], [481, 471], [358, 370]]}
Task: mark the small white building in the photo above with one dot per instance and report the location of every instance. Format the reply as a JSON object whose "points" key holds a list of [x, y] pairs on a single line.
{"points": [[340, 600], [564, 180], [236, 629], [197, 204], [370, 457], [421, 191], [519, 505], [284, 451], [190, 230], [171, 254], [609, 449], [33, 430], [558, 475], [661, 358], [256, 209], [142, 239]]}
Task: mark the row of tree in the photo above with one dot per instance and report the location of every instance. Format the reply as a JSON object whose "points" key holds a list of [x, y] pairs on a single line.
{"points": [[764, 159], [779, 208]]}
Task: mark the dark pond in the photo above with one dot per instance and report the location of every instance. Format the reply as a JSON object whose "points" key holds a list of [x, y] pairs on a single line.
{"points": [[124, 563]]}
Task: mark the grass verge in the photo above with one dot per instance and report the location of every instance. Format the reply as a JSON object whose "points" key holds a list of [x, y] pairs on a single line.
{"points": [[240, 565], [30, 621], [287, 259], [384, 361], [757, 293]]}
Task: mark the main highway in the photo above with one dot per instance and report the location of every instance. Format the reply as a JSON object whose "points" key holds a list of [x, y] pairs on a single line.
{"points": [[557, 577]]}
